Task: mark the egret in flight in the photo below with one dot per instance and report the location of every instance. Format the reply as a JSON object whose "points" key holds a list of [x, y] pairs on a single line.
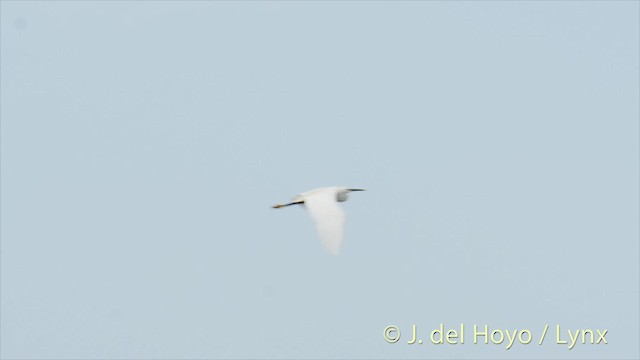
{"points": [[322, 205]]}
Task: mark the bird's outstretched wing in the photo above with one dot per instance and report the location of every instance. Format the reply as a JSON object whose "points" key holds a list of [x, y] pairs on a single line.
{"points": [[329, 219]]}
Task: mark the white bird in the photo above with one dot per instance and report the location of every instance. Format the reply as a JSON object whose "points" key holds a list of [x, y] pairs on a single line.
{"points": [[325, 212]]}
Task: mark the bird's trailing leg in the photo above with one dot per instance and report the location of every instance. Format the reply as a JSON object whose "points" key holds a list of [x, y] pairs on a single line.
{"points": [[278, 206]]}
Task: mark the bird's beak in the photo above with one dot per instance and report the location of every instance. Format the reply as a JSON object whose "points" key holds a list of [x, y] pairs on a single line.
{"points": [[355, 189], [277, 206]]}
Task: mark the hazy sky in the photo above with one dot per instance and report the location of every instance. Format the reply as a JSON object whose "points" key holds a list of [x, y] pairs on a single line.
{"points": [[143, 144]]}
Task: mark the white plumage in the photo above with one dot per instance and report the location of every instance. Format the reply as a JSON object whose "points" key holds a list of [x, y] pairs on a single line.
{"points": [[329, 218]]}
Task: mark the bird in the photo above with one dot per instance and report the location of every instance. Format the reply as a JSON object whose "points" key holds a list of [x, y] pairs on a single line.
{"points": [[322, 204]]}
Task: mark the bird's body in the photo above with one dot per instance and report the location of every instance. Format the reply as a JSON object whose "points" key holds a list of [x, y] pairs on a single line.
{"points": [[329, 218]]}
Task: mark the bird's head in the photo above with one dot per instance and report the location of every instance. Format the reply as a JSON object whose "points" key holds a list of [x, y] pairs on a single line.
{"points": [[343, 194]]}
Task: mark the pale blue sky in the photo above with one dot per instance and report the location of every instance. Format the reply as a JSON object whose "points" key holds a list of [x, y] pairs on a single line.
{"points": [[144, 142]]}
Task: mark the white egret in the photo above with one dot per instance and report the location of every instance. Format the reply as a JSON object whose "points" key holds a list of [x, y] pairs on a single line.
{"points": [[325, 212]]}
